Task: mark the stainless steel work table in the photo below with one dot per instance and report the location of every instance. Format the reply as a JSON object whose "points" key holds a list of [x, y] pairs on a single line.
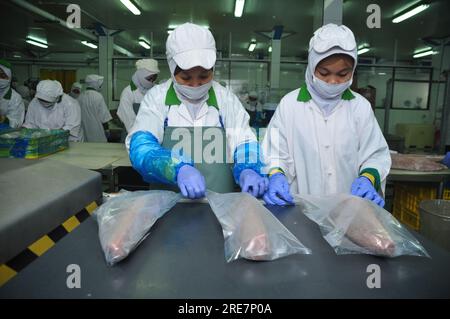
{"points": [[94, 156]]}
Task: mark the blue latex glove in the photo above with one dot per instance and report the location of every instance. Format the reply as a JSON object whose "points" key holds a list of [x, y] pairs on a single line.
{"points": [[191, 182], [363, 187], [154, 162], [278, 192], [446, 160], [252, 183]]}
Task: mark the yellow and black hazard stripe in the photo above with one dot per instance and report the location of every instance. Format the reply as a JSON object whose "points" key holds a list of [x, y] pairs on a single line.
{"points": [[9, 269]]}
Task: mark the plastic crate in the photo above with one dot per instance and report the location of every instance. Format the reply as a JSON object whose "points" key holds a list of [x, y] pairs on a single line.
{"points": [[446, 194], [407, 217], [407, 198], [4, 128], [32, 143]]}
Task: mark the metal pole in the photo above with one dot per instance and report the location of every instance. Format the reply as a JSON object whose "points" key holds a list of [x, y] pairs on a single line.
{"points": [[151, 44]]}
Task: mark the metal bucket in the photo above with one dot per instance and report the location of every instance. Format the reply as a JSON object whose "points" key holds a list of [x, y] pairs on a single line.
{"points": [[435, 221]]}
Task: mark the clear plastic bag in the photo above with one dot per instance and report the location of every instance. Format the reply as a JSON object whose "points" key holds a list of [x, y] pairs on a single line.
{"points": [[353, 225], [124, 220], [250, 230]]}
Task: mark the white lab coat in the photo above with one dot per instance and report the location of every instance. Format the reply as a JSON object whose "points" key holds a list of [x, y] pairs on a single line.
{"points": [[125, 111], [153, 112], [65, 115], [324, 155], [11, 106], [94, 113]]}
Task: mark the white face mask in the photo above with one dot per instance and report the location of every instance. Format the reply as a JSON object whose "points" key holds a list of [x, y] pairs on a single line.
{"points": [[4, 83], [192, 93], [74, 95], [147, 84], [330, 91], [46, 104]]}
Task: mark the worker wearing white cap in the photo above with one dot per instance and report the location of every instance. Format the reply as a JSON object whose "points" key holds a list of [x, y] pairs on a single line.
{"points": [[75, 90], [192, 99], [142, 80], [51, 108], [323, 137], [12, 109], [254, 109], [94, 112]]}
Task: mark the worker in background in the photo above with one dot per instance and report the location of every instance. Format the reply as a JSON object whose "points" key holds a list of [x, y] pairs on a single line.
{"points": [[24, 92], [142, 80], [94, 112], [14, 83], [51, 108], [32, 83], [254, 109], [323, 137], [12, 109], [192, 99], [75, 90], [243, 94]]}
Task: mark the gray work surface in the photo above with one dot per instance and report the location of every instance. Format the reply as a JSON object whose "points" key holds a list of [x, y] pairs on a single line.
{"points": [[183, 257], [38, 195], [93, 156]]}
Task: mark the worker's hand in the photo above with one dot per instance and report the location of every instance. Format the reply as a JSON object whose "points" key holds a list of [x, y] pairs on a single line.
{"points": [[253, 183], [362, 187], [446, 160], [278, 192], [191, 182]]}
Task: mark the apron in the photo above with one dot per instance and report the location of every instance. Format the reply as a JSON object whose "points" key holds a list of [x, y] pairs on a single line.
{"points": [[214, 167], [219, 176], [136, 107]]}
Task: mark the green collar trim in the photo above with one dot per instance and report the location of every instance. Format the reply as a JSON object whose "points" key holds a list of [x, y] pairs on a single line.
{"points": [[5, 63], [212, 100], [305, 96], [90, 89], [172, 98], [8, 94], [133, 86], [347, 95]]}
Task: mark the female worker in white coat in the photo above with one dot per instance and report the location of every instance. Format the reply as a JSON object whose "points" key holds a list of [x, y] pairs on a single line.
{"points": [[191, 102], [12, 109], [51, 108], [142, 80], [94, 112], [323, 137]]}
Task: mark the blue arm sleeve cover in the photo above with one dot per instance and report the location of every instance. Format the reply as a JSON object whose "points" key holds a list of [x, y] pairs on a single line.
{"points": [[154, 162], [247, 156]]}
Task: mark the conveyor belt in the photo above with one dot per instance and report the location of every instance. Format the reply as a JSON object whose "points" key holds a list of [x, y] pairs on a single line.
{"points": [[38, 195], [183, 257]]}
